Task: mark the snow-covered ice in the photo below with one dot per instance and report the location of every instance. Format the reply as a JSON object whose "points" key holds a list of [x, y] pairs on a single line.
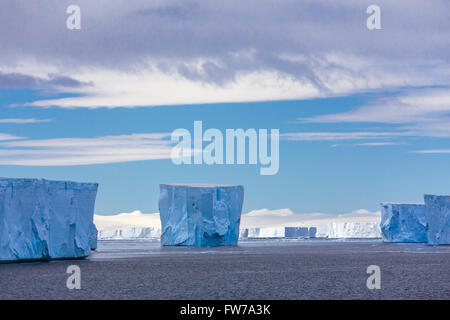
{"points": [[130, 233], [342, 230], [41, 219], [403, 222], [200, 215], [438, 218]]}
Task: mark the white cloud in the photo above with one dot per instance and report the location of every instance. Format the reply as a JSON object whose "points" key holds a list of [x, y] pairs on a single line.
{"points": [[419, 105], [133, 219], [5, 136], [23, 121], [432, 151], [337, 136], [84, 151], [377, 144]]}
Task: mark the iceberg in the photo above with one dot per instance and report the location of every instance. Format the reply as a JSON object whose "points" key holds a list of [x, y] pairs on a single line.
{"points": [[342, 230], [296, 232], [438, 218], [42, 219], [200, 215], [403, 222], [130, 233]]}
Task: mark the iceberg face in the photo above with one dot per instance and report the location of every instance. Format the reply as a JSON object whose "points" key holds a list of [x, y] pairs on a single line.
{"points": [[438, 218], [342, 230], [130, 233], [403, 222], [279, 232], [296, 232], [93, 237], [200, 215], [41, 219]]}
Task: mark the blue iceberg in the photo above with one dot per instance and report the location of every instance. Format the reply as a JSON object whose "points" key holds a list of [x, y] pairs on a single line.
{"points": [[403, 222], [438, 218], [42, 220], [200, 215]]}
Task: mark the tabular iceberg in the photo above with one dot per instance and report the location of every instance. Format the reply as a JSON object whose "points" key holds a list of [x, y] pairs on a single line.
{"points": [[438, 218], [130, 233], [200, 215], [342, 230], [41, 219], [403, 222]]}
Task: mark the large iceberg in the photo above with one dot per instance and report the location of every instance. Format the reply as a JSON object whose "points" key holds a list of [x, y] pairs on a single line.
{"points": [[42, 220], [342, 230], [403, 222], [438, 218], [200, 215], [130, 233]]}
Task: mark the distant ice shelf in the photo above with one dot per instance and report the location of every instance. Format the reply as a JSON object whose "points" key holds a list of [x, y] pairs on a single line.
{"points": [[42, 219], [330, 231]]}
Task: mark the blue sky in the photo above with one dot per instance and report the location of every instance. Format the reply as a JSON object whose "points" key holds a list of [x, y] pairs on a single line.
{"points": [[331, 176], [364, 115]]}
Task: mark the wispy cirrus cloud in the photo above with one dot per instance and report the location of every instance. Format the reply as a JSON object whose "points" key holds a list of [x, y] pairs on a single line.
{"points": [[432, 151], [23, 120], [338, 136], [84, 151], [6, 136]]}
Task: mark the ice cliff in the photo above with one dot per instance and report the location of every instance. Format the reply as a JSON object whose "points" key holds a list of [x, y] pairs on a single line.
{"points": [[41, 219], [438, 219], [342, 230], [129, 233], [332, 230], [200, 215], [403, 222]]}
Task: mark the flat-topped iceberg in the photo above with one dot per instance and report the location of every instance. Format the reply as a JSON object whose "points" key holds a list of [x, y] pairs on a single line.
{"points": [[438, 218], [403, 222], [200, 215], [41, 219], [343, 230], [130, 233]]}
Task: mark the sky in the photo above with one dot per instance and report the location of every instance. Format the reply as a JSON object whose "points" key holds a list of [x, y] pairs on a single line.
{"points": [[363, 115]]}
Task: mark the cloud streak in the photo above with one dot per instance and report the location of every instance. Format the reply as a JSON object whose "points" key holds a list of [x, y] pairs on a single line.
{"points": [[84, 151], [24, 121]]}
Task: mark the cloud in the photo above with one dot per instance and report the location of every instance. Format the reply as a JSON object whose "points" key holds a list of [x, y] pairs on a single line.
{"points": [[191, 51], [432, 151], [84, 151], [123, 220], [421, 112], [23, 121], [18, 80], [420, 105], [5, 136], [377, 144], [337, 136]]}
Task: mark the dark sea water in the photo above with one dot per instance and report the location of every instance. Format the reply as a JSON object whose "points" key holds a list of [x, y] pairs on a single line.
{"points": [[256, 269]]}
